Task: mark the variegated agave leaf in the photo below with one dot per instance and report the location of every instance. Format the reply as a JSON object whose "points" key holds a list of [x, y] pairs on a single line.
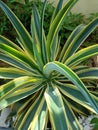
{"points": [[49, 82]]}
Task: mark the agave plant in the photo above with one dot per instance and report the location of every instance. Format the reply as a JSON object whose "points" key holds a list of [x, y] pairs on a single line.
{"points": [[51, 82]]}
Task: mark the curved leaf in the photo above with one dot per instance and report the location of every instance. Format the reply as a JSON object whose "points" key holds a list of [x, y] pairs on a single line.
{"points": [[63, 54], [79, 68], [79, 38], [67, 72], [91, 73], [82, 55]]}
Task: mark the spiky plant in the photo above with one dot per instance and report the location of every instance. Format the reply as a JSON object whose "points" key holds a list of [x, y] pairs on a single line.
{"points": [[51, 81]]}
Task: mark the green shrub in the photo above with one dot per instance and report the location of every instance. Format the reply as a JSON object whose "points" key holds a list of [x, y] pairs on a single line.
{"points": [[50, 82], [94, 121]]}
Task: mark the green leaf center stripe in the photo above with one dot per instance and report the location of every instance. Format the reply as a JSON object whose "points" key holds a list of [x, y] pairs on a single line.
{"points": [[19, 95], [56, 108], [31, 112], [39, 121], [35, 31], [20, 55], [74, 123], [56, 24], [16, 84], [74, 94], [20, 29], [57, 9], [10, 43], [88, 73], [43, 38], [64, 51], [82, 55], [79, 39], [36, 21], [16, 63], [12, 73]]}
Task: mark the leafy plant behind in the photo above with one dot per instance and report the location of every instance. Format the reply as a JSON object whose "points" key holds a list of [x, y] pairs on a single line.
{"points": [[52, 82], [94, 121]]}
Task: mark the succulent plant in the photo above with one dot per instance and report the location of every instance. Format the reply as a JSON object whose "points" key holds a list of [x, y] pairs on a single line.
{"points": [[51, 82]]}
